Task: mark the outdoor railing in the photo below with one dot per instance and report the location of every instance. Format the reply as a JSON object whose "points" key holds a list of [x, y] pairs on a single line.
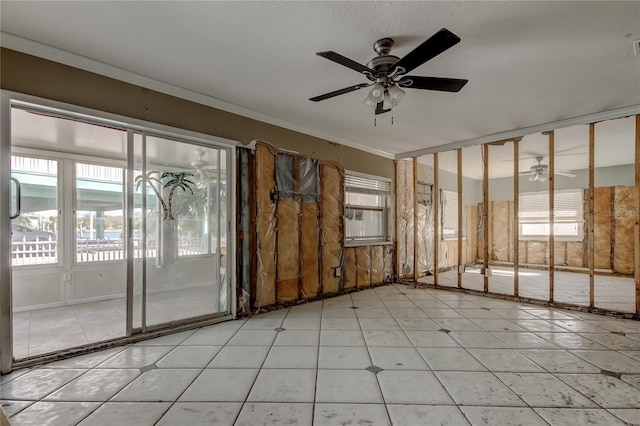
{"points": [[97, 250]]}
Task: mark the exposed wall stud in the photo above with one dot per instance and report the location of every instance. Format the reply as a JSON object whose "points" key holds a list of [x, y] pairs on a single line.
{"points": [[485, 215], [460, 211], [637, 217], [516, 219], [415, 219], [551, 214], [590, 221], [436, 219]]}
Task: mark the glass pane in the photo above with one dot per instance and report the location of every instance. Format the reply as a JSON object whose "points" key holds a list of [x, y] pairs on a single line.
{"points": [[184, 230], [34, 234], [99, 213], [614, 215]]}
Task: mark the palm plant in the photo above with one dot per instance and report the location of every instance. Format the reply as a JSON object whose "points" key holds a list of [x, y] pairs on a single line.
{"points": [[171, 180]]}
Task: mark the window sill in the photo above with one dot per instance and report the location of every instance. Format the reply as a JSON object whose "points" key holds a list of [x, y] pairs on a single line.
{"points": [[366, 243]]}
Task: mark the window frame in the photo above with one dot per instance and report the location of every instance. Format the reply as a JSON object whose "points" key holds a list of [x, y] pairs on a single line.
{"points": [[362, 183], [578, 218], [443, 199]]}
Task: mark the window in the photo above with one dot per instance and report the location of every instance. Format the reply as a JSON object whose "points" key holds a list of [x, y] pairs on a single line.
{"points": [[568, 215], [449, 219], [366, 199]]}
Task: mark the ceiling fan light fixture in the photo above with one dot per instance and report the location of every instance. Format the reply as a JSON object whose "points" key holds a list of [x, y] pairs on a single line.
{"points": [[533, 177], [376, 95], [396, 93], [386, 102], [542, 177]]}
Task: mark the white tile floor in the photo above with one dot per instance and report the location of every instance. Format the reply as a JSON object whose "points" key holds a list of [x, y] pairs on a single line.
{"points": [[614, 293], [389, 355]]}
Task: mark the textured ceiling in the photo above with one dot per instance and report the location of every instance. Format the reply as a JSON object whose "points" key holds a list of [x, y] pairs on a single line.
{"points": [[527, 62]]}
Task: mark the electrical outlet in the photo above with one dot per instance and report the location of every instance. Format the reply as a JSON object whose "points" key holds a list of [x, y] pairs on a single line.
{"points": [[461, 269], [337, 271], [488, 272], [636, 48]]}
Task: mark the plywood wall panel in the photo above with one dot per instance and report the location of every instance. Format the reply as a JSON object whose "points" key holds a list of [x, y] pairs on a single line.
{"points": [[363, 266], [602, 227], [377, 264], [265, 227], [309, 239], [625, 215], [349, 267]]}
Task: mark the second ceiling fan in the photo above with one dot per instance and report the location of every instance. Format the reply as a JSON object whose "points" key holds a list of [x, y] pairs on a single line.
{"points": [[387, 73]]}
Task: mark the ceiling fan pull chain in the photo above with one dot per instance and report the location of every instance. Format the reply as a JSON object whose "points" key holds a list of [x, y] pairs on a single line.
{"points": [[392, 116]]}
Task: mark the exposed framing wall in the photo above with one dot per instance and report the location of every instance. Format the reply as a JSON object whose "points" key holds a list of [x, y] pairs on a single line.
{"points": [[300, 232]]}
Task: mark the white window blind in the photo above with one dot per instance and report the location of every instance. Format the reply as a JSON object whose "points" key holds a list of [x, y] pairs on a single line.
{"points": [[568, 206], [449, 214], [364, 185], [366, 207], [568, 215]]}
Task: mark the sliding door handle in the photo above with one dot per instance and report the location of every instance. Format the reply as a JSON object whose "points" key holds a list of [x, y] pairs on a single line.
{"points": [[18, 199]]}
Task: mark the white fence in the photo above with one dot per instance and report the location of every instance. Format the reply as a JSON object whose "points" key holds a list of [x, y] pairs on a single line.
{"points": [[96, 250]]}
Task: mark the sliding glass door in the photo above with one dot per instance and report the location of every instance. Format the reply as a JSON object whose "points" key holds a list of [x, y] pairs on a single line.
{"points": [[114, 230]]}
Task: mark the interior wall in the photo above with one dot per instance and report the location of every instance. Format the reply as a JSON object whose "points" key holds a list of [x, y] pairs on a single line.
{"points": [[47, 79], [613, 235], [300, 233]]}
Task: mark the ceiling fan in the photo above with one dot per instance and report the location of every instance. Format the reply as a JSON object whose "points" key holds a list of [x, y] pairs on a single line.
{"points": [[387, 73], [540, 172], [203, 168]]}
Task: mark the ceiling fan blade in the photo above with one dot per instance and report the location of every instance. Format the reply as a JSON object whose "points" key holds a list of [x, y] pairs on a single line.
{"points": [[432, 83], [342, 60], [565, 173], [339, 92], [432, 47], [526, 173], [380, 109]]}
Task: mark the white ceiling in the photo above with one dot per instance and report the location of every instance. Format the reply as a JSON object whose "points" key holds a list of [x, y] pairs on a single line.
{"points": [[527, 63]]}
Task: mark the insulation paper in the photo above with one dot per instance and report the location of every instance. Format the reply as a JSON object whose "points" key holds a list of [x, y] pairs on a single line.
{"points": [[309, 240], [363, 267], [349, 267], [625, 217], [288, 246], [332, 232], [377, 264], [388, 263], [501, 237], [404, 217], [425, 239], [265, 226], [602, 217]]}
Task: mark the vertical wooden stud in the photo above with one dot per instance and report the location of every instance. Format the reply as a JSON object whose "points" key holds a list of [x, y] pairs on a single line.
{"points": [[551, 214], [516, 219], [590, 221], [485, 214], [637, 217], [436, 219], [415, 219], [460, 211]]}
